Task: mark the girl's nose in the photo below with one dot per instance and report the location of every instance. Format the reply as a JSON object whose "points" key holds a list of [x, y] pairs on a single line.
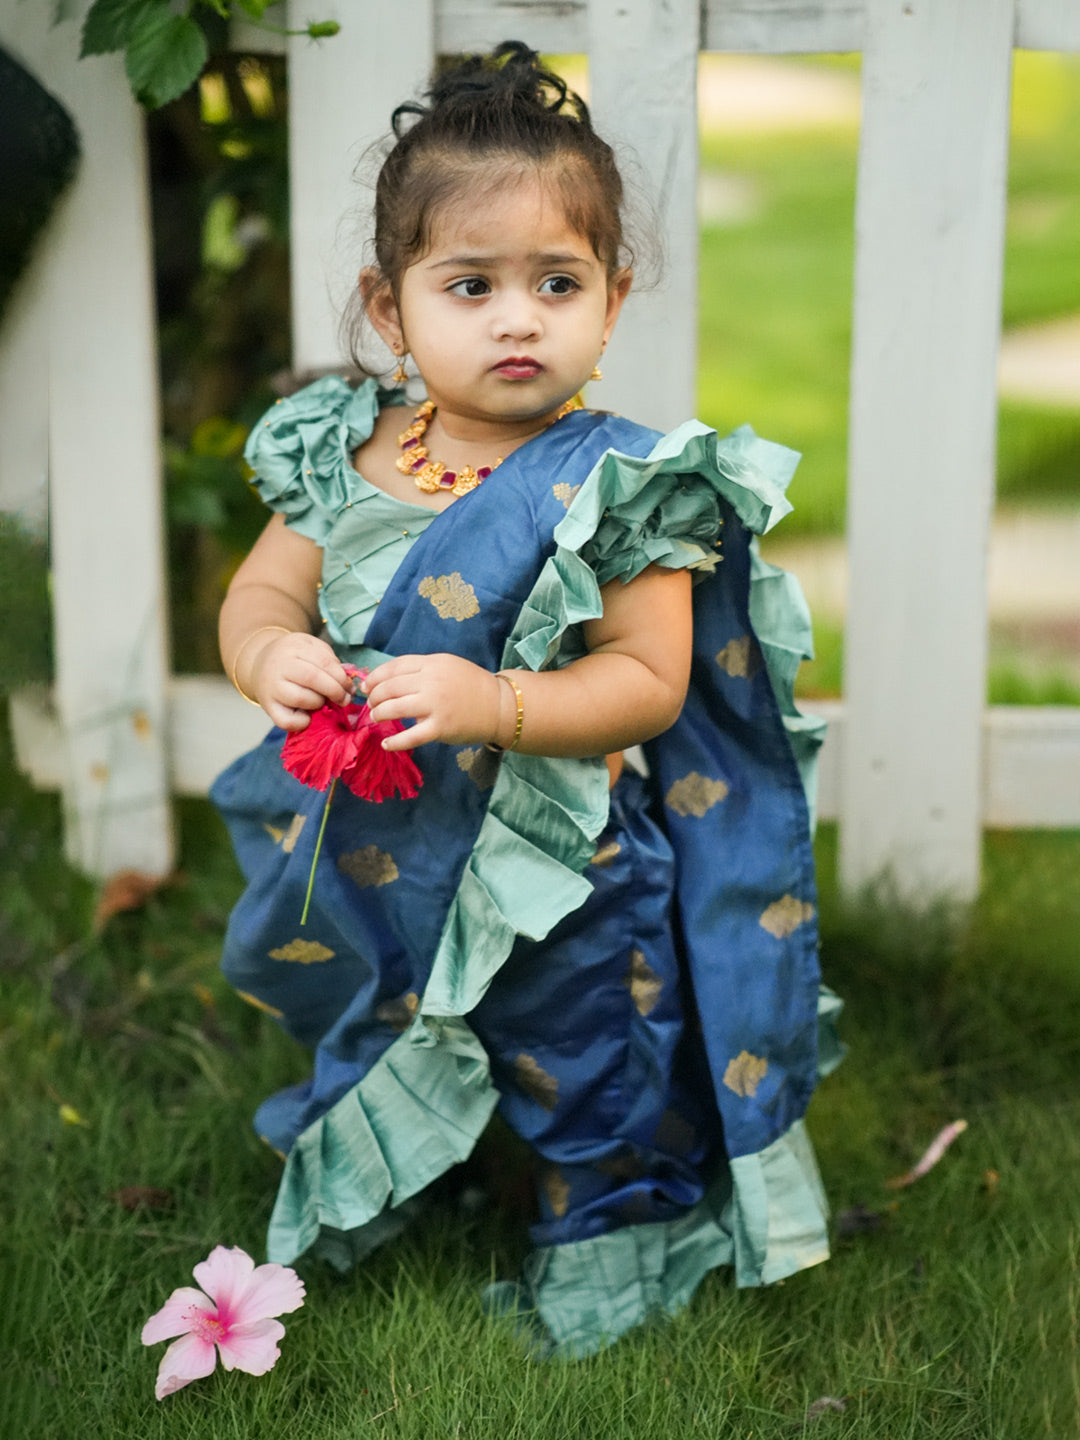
{"points": [[518, 318]]}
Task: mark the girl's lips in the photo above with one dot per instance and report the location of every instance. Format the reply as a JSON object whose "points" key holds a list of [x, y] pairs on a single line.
{"points": [[519, 367]]}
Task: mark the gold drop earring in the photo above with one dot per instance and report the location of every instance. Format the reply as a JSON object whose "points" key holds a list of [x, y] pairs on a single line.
{"points": [[399, 376], [597, 373]]}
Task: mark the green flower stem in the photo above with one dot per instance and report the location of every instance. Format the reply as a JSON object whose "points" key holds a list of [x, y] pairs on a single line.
{"points": [[318, 847]]}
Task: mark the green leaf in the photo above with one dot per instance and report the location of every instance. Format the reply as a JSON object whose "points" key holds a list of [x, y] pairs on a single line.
{"points": [[166, 54], [255, 8], [109, 24]]}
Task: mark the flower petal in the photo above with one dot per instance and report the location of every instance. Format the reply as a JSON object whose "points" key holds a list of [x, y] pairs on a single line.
{"points": [[252, 1347], [222, 1275], [174, 1317], [189, 1358], [317, 753], [269, 1290]]}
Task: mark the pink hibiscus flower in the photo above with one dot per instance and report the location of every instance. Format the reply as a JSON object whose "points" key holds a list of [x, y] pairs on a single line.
{"points": [[235, 1316]]}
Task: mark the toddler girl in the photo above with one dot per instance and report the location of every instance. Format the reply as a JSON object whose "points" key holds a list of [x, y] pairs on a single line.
{"points": [[623, 964]]}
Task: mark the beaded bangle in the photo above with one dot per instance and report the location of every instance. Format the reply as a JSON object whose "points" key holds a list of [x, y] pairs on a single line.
{"points": [[520, 698], [284, 629]]}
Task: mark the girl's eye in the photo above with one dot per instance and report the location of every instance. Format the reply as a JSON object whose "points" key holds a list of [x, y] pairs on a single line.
{"points": [[559, 285], [472, 287]]}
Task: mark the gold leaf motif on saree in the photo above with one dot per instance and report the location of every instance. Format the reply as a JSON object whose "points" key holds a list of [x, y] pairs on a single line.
{"points": [[303, 952], [261, 1005], [480, 764], [785, 915], [643, 983], [565, 493], [695, 794], [287, 838], [745, 1073], [557, 1190], [739, 658], [453, 597], [606, 854], [536, 1082], [369, 866], [400, 1012]]}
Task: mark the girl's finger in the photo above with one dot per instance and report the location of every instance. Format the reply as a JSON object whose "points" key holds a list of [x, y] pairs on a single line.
{"points": [[418, 734], [315, 678], [395, 689], [389, 669], [397, 707], [299, 697], [286, 718]]}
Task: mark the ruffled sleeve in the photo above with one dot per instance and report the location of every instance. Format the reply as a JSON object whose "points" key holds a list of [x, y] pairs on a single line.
{"points": [[301, 452], [665, 508]]}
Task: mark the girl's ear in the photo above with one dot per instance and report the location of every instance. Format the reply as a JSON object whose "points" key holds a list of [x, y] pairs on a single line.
{"points": [[380, 307], [618, 289]]}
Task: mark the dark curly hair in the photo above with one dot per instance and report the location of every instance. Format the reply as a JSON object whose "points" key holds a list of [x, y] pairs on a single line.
{"points": [[487, 119]]}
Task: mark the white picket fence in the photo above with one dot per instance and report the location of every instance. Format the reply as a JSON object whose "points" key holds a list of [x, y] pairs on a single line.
{"points": [[915, 765]]}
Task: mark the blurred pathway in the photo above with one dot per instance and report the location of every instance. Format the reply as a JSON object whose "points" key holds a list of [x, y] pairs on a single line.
{"points": [[1033, 569]]}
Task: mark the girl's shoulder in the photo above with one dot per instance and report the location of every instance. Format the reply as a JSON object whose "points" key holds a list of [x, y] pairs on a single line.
{"points": [[300, 452]]}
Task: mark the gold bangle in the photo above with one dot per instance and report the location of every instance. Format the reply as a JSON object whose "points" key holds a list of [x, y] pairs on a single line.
{"points": [[236, 658], [516, 688]]}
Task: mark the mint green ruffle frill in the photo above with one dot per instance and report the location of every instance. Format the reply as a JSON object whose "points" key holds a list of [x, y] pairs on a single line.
{"points": [[423, 1105]]}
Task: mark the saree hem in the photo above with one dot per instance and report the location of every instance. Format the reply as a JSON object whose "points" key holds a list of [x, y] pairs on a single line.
{"points": [[575, 1300]]}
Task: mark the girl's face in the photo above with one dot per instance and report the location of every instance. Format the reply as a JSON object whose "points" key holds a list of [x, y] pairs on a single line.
{"points": [[508, 311]]}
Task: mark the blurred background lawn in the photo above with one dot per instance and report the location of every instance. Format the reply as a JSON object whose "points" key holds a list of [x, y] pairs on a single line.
{"points": [[776, 279]]}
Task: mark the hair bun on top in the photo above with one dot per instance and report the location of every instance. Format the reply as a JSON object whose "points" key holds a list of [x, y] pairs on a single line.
{"points": [[510, 76]]}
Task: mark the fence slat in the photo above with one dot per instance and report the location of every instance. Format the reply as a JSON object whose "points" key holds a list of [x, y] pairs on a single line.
{"points": [[24, 402], [643, 88], [929, 226], [104, 473], [341, 94], [1031, 773], [1048, 25], [784, 27], [553, 26]]}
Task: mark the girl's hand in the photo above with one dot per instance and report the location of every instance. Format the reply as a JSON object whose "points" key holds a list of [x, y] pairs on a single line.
{"points": [[449, 698], [295, 673]]}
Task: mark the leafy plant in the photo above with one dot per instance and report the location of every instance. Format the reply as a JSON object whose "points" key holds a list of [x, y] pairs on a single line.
{"points": [[165, 51]]}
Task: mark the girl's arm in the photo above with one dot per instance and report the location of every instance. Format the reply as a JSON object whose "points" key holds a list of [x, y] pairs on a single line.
{"points": [[629, 687], [265, 628]]}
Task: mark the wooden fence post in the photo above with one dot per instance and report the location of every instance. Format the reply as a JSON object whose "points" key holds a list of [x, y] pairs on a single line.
{"points": [[930, 228], [341, 95], [105, 522], [643, 61]]}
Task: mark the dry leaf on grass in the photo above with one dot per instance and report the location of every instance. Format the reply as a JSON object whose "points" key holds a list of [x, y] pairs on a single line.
{"points": [[126, 890], [142, 1197]]}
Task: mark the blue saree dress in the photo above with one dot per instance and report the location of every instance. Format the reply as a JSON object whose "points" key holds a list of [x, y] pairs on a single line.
{"points": [[629, 976]]}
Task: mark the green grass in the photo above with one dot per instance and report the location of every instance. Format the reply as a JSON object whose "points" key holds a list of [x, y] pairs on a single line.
{"points": [[776, 293], [956, 1317]]}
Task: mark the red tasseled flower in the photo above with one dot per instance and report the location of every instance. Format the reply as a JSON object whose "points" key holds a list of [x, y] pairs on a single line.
{"points": [[342, 741]]}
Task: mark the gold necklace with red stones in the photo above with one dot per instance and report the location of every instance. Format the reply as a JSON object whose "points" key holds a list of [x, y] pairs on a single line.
{"points": [[432, 475]]}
